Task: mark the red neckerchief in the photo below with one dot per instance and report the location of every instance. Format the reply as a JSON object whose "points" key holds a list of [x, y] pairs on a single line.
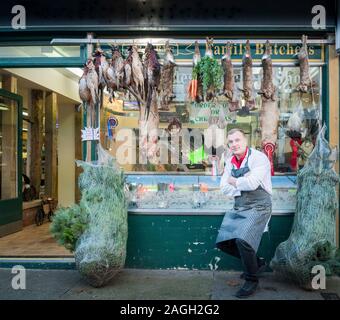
{"points": [[237, 162]]}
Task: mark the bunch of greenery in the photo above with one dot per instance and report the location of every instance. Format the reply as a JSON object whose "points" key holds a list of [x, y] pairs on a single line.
{"points": [[68, 225], [209, 71]]}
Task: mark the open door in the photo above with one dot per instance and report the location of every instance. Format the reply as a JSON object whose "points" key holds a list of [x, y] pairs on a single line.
{"points": [[10, 163]]}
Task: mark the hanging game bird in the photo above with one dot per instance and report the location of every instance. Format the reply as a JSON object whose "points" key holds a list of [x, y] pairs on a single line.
{"points": [[84, 91]]}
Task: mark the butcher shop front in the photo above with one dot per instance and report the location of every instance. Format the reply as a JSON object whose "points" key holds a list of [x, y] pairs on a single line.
{"points": [[167, 133]]}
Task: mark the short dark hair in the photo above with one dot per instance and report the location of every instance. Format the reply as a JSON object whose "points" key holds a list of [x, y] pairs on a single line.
{"points": [[234, 130]]}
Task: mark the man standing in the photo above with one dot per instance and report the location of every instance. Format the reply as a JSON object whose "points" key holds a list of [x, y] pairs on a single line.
{"points": [[246, 177]]}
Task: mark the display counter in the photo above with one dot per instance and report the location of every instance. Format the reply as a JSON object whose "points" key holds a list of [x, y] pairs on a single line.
{"points": [[196, 194], [174, 220]]}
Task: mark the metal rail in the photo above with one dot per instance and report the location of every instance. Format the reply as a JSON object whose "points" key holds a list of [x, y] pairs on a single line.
{"points": [[197, 212], [257, 64], [161, 41]]}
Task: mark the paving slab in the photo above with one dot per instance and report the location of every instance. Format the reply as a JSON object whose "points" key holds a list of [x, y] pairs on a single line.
{"points": [[144, 284]]}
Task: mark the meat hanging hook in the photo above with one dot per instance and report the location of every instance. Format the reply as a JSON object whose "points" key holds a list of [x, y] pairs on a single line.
{"points": [[268, 48], [248, 47]]}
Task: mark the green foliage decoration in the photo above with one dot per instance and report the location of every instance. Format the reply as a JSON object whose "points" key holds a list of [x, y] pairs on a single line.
{"points": [[68, 225], [209, 71]]}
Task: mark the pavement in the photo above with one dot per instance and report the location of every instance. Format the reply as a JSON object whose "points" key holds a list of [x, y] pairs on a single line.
{"points": [[143, 284]]}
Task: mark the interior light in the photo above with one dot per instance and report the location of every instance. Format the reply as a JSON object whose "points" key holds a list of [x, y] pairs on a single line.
{"points": [[77, 71], [3, 107]]}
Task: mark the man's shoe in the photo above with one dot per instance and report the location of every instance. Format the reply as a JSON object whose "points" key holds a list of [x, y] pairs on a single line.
{"points": [[248, 289], [261, 262]]}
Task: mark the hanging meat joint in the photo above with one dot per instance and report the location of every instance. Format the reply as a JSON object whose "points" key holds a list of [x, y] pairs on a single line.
{"points": [[269, 115], [148, 133], [228, 88], [305, 80], [153, 72], [267, 87], [247, 73], [208, 47], [229, 82], [167, 78], [153, 125]]}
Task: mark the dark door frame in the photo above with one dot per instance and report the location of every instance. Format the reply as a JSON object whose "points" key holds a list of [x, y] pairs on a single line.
{"points": [[11, 209]]}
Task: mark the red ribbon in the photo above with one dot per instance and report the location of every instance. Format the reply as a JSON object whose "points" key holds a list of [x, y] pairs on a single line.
{"points": [[295, 150], [269, 149]]}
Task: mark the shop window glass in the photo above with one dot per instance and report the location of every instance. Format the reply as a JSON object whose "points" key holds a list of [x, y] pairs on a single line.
{"points": [[291, 152]]}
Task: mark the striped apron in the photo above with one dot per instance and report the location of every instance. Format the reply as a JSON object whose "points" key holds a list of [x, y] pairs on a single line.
{"points": [[247, 220]]}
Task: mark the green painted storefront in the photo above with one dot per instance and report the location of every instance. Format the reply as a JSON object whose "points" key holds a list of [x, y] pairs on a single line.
{"points": [[188, 241], [173, 241]]}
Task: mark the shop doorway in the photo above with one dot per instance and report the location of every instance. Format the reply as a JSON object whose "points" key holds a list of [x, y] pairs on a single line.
{"points": [[39, 142]]}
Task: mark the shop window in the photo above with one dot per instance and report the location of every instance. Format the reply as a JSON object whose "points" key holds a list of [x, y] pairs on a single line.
{"points": [[291, 152], [292, 148]]}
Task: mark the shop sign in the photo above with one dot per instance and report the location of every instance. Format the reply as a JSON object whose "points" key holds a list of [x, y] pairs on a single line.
{"points": [[201, 112], [89, 134], [281, 52]]}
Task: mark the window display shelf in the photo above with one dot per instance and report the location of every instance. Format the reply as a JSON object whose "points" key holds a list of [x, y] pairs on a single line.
{"points": [[197, 194]]}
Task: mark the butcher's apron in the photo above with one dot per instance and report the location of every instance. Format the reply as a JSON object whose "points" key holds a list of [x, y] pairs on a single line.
{"points": [[248, 219]]}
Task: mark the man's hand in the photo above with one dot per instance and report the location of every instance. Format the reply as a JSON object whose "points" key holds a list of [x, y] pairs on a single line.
{"points": [[232, 181]]}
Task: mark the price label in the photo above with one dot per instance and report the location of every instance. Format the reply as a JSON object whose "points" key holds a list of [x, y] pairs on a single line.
{"points": [[89, 134]]}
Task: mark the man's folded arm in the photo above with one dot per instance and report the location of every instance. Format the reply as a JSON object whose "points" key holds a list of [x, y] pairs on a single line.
{"points": [[227, 188], [253, 180]]}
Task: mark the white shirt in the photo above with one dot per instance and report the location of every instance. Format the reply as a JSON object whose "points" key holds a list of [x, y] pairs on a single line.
{"points": [[259, 175]]}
